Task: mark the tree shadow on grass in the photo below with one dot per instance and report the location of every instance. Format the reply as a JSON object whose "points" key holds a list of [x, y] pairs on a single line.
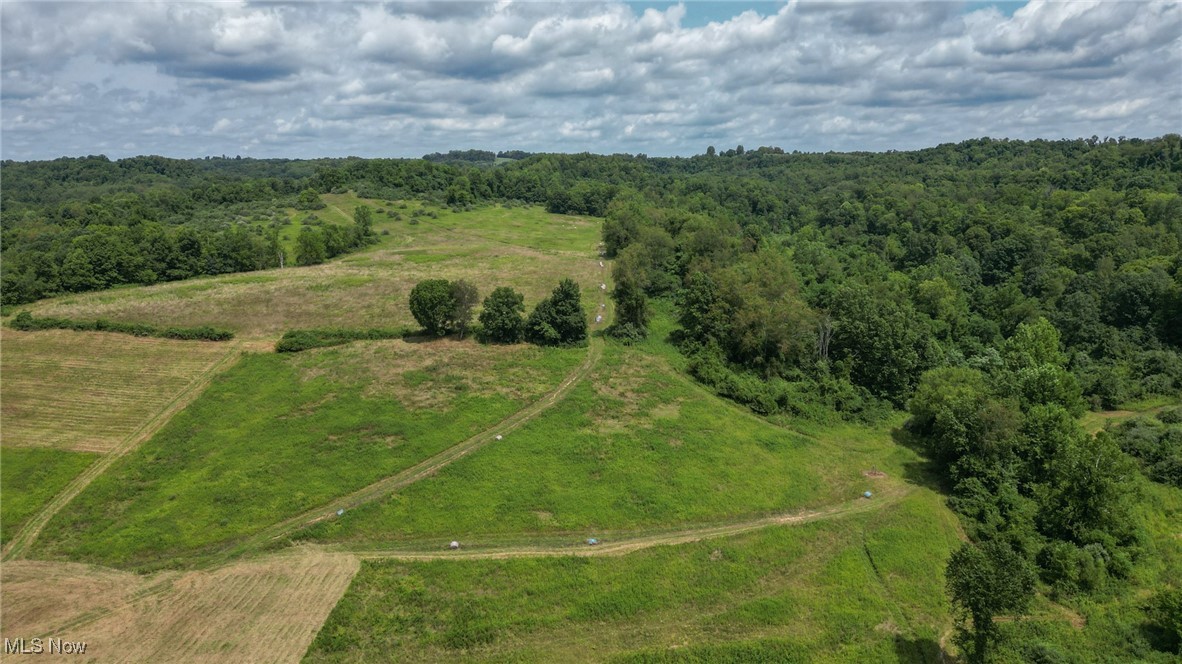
{"points": [[924, 472], [921, 650]]}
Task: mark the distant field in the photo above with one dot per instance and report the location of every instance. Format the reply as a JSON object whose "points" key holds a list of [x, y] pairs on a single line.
{"points": [[279, 434], [267, 610], [88, 391], [525, 248], [634, 446], [863, 588], [30, 477]]}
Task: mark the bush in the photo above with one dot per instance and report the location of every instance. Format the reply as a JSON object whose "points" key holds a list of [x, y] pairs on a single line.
{"points": [[294, 341], [26, 321]]}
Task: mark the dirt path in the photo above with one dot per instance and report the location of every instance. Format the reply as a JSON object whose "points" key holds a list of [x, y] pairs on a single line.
{"points": [[425, 468], [28, 533], [622, 543]]}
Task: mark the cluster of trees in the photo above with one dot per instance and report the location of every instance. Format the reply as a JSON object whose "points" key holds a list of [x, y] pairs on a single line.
{"points": [[316, 244], [1155, 442], [445, 307], [1037, 494]]}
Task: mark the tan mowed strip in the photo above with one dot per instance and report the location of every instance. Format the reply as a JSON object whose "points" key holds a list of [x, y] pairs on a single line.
{"points": [[265, 610], [88, 391]]}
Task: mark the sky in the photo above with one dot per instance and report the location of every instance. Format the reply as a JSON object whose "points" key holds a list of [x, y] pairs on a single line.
{"points": [[402, 79]]}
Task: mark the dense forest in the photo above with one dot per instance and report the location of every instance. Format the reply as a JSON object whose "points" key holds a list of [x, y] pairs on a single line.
{"points": [[994, 289]]}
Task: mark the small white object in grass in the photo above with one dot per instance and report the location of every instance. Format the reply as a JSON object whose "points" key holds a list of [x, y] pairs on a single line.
{"points": [[602, 286], [600, 263], [498, 436], [340, 512], [603, 305], [454, 545], [599, 318]]}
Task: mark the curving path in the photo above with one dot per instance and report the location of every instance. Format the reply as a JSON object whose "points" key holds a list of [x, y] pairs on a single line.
{"points": [[624, 542], [428, 466]]}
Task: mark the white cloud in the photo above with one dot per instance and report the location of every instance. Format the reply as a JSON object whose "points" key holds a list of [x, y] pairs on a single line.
{"points": [[309, 79]]}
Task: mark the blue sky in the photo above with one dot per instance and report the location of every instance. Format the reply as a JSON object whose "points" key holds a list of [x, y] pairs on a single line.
{"points": [[309, 79]]}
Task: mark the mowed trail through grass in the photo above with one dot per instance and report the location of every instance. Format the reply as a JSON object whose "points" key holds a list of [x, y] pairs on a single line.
{"points": [[864, 587], [525, 248], [633, 447], [280, 434], [66, 473]]}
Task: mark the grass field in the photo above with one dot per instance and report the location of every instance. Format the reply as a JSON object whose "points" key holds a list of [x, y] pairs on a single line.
{"points": [[279, 434], [88, 391], [525, 248], [29, 478], [859, 588], [634, 446], [259, 611]]}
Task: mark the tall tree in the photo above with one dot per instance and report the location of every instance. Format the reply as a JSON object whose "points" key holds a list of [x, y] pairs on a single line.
{"points": [[986, 581]]}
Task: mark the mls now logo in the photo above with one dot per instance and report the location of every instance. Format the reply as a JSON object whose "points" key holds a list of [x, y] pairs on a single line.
{"points": [[39, 646]]}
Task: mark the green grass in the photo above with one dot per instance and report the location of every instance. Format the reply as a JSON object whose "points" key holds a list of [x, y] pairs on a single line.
{"points": [[862, 588], [633, 447], [29, 478], [276, 435]]}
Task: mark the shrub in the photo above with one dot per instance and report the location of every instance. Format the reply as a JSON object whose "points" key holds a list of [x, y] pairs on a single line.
{"points": [[433, 305], [294, 341], [26, 321]]}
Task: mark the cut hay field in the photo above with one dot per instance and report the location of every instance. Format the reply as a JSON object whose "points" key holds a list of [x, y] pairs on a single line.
{"points": [[635, 446], [279, 434], [526, 248], [89, 391], [864, 587], [266, 610]]}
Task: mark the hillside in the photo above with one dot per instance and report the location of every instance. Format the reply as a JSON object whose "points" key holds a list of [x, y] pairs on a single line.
{"points": [[808, 383]]}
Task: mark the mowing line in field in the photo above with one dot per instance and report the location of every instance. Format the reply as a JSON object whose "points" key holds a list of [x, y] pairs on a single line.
{"points": [[33, 526], [428, 466], [622, 543]]}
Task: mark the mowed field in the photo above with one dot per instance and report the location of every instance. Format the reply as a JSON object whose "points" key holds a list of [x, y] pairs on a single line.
{"points": [[87, 392], [866, 587], [265, 610], [526, 248], [635, 446], [278, 434]]}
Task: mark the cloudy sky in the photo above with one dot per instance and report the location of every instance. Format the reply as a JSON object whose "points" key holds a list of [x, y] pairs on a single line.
{"points": [[305, 79]]}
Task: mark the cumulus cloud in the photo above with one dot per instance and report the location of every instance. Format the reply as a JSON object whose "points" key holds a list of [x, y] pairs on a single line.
{"points": [[401, 79]]}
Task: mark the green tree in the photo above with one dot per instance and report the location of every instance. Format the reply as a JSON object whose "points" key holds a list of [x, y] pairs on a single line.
{"points": [[432, 305], [631, 303], [362, 225], [501, 319], [309, 200], [464, 298], [701, 311], [310, 248], [886, 343], [983, 582], [559, 320]]}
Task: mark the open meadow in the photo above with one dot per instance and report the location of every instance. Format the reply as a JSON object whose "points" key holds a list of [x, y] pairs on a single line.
{"points": [[525, 248]]}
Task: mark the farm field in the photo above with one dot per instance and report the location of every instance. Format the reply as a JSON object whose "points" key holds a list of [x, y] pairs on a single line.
{"points": [[279, 434], [257, 611], [87, 392], [525, 248], [864, 587], [634, 446], [30, 477]]}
